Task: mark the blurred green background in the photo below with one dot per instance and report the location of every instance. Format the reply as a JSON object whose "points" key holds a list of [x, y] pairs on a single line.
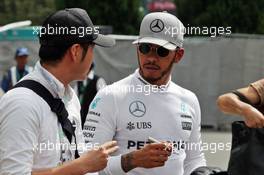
{"points": [[124, 16]]}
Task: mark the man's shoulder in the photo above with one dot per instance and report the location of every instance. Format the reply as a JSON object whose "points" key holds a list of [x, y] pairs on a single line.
{"points": [[185, 93], [118, 87], [20, 94], [8, 72], [125, 81], [23, 97], [29, 68], [12, 68], [21, 102]]}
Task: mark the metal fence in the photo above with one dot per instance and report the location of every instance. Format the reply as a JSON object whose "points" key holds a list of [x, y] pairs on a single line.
{"points": [[210, 67]]}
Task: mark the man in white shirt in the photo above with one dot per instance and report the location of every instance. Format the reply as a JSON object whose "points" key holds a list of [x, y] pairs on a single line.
{"points": [[33, 139], [148, 104]]}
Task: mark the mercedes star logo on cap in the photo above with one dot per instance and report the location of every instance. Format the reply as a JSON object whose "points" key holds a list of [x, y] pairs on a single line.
{"points": [[156, 25], [137, 108]]}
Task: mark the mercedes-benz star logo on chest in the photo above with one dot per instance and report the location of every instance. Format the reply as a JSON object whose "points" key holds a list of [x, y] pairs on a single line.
{"points": [[137, 108]]}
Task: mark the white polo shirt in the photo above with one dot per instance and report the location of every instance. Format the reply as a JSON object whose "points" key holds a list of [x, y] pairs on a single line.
{"points": [[31, 137], [131, 110]]}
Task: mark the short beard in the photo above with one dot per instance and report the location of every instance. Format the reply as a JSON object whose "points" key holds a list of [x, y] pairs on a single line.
{"points": [[163, 73]]}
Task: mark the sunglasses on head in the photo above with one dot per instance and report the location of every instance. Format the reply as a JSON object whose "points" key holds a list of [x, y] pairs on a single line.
{"points": [[146, 48]]}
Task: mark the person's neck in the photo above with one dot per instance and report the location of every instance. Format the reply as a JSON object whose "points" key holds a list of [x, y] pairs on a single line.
{"points": [[161, 82], [58, 72]]}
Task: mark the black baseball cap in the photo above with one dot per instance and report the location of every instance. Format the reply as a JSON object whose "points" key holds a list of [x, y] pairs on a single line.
{"points": [[70, 26]]}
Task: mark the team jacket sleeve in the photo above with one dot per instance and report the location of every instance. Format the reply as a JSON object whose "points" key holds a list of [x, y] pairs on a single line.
{"points": [[100, 127], [18, 135], [194, 156]]}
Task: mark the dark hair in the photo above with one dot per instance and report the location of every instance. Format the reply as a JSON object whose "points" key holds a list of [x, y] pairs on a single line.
{"points": [[54, 54]]}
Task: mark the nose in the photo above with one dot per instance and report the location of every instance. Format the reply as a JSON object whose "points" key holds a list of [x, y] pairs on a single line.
{"points": [[152, 57]]}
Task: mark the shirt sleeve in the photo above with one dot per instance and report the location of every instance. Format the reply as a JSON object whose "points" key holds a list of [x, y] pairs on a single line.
{"points": [[259, 87], [100, 127], [6, 82], [194, 156], [18, 134]]}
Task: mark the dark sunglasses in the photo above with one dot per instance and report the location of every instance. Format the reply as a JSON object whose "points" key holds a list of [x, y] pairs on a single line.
{"points": [[146, 48]]}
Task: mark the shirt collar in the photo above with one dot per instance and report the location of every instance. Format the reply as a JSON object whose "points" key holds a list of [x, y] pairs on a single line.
{"points": [[91, 74], [55, 85]]}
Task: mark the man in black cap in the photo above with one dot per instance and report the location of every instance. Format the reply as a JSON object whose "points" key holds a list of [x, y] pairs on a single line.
{"points": [[39, 133]]}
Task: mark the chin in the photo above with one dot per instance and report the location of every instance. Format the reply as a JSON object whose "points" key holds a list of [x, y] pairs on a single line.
{"points": [[151, 78], [151, 74]]}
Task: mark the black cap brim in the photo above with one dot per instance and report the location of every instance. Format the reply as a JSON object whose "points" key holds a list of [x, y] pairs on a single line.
{"points": [[104, 41]]}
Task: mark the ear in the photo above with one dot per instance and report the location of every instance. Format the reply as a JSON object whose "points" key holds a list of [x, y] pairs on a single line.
{"points": [[178, 55], [75, 52]]}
